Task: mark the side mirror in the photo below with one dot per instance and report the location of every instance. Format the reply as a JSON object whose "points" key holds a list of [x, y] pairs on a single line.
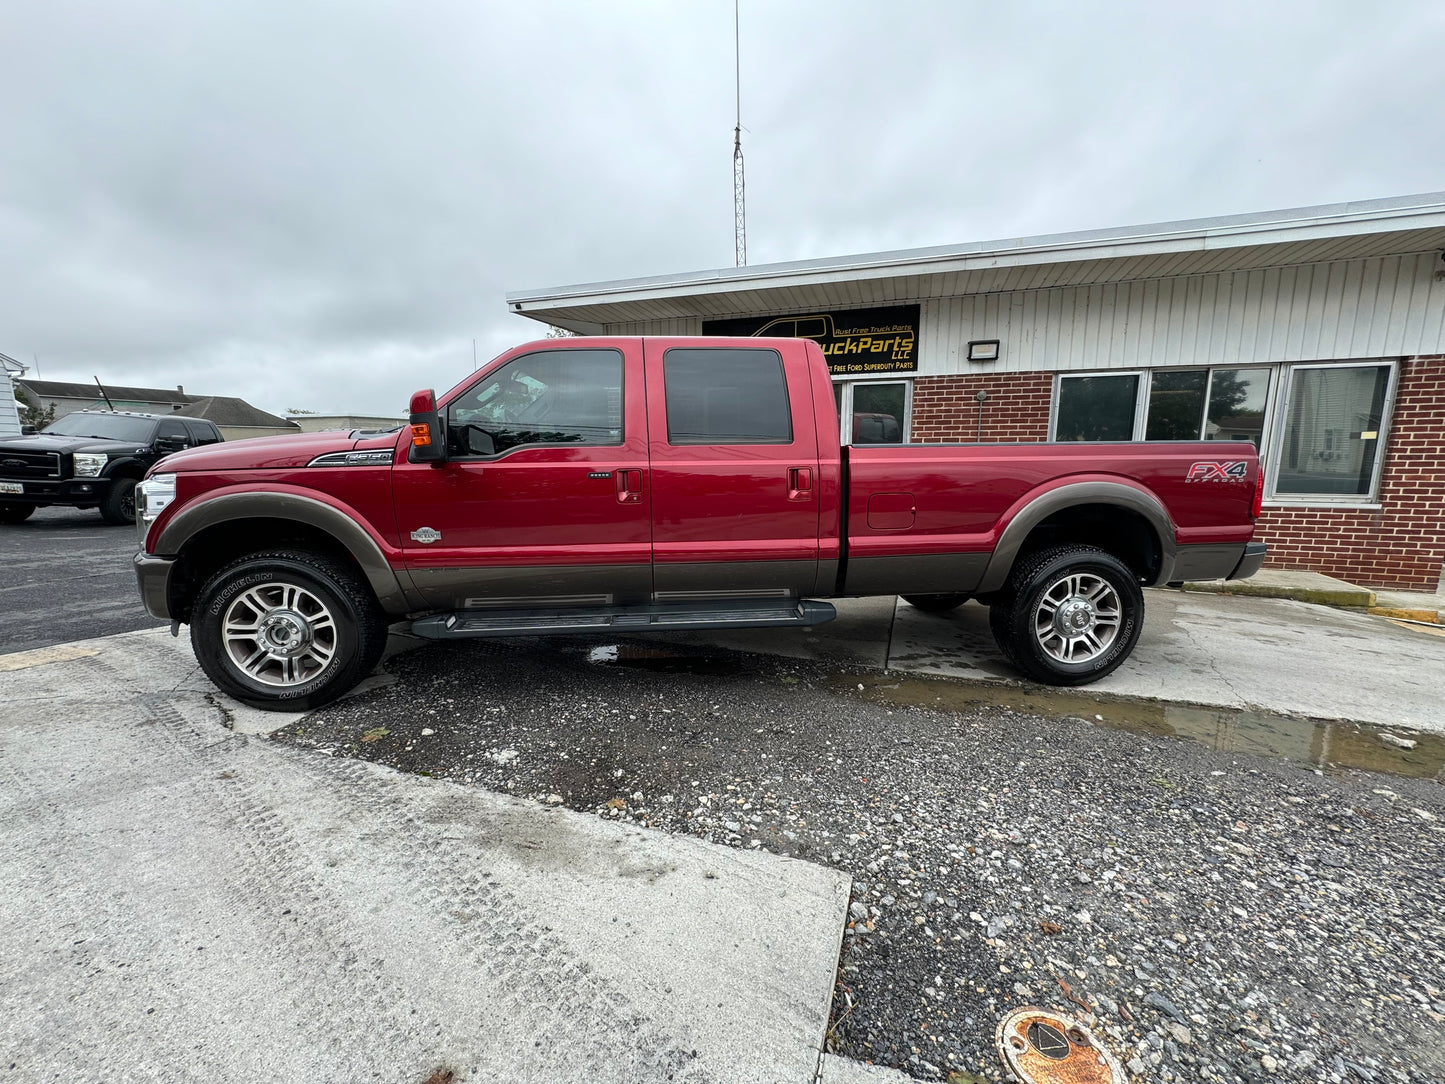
{"points": [[428, 434], [28, 430]]}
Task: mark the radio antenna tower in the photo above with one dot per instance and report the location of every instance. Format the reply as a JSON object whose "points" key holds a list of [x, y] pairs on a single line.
{"points": [[740, 213]]}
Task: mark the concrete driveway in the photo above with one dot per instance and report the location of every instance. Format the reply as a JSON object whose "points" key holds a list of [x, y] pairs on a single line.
{"points": [[183, 901], [1227, 651]]}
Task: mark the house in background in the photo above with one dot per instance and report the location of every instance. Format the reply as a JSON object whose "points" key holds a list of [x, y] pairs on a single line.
{"points": [[9, 408], [316, 423], [68, 397], [235, 418]]}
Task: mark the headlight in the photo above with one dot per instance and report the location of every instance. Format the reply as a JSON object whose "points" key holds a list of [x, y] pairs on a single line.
{"points": [[88, 464], [152, 496]]}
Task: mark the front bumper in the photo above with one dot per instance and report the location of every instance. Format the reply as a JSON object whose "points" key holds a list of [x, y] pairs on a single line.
{"points": [[1249, 564], [153, 575], [46, 491]]}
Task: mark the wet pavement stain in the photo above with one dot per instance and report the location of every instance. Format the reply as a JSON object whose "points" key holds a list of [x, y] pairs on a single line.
{"points": [[664, 660], [1316, 742]]}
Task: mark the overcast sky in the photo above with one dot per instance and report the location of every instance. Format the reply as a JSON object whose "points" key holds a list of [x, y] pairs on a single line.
{"points": [[320, 205]]}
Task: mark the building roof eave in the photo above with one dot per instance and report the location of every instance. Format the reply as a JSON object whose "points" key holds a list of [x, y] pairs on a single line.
{"points": [[1278, 238]]}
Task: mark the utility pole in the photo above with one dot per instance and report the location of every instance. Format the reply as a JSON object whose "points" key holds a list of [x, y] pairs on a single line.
{"points": [[740, 214]]}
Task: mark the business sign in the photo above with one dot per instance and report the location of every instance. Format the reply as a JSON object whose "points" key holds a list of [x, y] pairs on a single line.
{"points": [[856, 342]]}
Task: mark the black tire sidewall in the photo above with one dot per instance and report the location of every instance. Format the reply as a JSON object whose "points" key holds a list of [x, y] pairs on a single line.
{"points": [[1030, 656], [112, 509], [339, 673], [11, 514]]}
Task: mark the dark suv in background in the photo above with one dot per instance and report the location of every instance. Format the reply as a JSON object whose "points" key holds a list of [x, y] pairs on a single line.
{"points": [[91, 459]]}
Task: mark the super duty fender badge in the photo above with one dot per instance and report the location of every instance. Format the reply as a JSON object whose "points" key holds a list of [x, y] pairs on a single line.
{"points": [[1221, 471], [426, 536]]}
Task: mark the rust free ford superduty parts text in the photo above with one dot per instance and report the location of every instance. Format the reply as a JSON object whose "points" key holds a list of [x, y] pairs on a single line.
{"points": [[606, 485]]}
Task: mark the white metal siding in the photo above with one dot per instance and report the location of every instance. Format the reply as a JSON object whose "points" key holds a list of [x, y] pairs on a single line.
{"points": [[9, 412], [1380, 307], [686, 325]]}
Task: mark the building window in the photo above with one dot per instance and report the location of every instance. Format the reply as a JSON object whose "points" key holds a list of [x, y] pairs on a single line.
{"points": [[1102, 407], [1329, 439], [873, 413], [1174, 404]]}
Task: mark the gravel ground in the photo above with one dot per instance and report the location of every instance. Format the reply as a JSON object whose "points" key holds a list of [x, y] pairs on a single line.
{"points": [[1215, 916]]}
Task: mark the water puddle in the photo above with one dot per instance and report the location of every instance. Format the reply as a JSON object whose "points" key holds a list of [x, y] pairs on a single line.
{"points": [[1316, 742]]}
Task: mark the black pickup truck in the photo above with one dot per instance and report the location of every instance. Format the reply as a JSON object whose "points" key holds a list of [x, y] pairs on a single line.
{"points": [[91, 459]]}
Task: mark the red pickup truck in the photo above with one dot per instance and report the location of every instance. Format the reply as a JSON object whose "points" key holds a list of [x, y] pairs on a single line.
{"points": [[605, 485]]}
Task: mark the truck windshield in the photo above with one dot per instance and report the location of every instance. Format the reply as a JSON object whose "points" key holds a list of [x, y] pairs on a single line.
{"points": [[103, 426]]}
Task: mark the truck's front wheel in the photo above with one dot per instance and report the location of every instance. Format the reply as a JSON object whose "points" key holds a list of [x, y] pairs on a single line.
{"points": [[286, 631], [1069, 616], [118, 507]]}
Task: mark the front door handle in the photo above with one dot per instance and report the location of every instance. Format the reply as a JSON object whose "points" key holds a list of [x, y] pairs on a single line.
{"points": [[800, 483], [629, 487]]}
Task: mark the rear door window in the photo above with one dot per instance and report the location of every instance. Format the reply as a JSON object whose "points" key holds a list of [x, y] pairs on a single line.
{"points": [[726, 396]]}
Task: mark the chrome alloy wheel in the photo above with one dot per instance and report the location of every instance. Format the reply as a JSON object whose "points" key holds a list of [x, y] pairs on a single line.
{"points": [[1077, 618], [279, 634]]}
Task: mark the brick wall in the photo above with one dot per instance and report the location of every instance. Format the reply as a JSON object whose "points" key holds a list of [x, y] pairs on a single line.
{"points": [[1017, 408], [1403, 544]]}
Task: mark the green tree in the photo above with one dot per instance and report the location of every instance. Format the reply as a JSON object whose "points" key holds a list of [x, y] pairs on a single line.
{"points": [[33, 415]]}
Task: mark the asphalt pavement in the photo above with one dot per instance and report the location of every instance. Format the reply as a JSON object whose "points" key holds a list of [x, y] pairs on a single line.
{"points": [[66, 575]]}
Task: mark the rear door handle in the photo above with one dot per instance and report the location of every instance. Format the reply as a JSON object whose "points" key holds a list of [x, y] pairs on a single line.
{"points": [[800, 483], [629, 487]]}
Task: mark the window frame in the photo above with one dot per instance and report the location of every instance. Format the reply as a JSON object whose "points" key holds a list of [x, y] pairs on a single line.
{"points": [[845, 409], [492, 373], [1276, 421]]}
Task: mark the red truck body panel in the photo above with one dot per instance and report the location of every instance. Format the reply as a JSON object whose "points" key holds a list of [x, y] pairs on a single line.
{"points": [[645, 519]]}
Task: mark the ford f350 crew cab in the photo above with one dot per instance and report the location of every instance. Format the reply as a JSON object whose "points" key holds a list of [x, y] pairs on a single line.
{"points": [[604, 485]]}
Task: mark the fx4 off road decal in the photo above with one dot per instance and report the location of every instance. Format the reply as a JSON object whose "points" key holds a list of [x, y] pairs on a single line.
{"points": [[1217, 471]]}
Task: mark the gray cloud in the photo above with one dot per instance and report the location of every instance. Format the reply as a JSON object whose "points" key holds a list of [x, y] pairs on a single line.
{"points": [[322, 204]]}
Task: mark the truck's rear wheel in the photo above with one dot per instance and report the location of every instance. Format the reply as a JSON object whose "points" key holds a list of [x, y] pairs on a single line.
{"points": [[286, 631], [935, 604], [1069, 616], [15, 513]]}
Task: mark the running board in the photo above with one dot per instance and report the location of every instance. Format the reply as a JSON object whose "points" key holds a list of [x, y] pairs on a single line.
{"points": [[659, 617]]}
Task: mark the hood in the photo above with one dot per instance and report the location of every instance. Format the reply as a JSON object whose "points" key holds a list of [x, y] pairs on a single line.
{"points": [[270, 453], [48, 442]]}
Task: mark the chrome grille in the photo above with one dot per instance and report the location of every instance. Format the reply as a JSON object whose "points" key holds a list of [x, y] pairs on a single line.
{"points": [[29, 464]]}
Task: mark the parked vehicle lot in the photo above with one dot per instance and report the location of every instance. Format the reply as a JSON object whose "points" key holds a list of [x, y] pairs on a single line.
{"points": [[66, 575]]}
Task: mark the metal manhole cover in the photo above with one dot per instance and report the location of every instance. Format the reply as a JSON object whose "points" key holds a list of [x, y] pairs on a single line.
{"points": [[1042, 1047]]}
